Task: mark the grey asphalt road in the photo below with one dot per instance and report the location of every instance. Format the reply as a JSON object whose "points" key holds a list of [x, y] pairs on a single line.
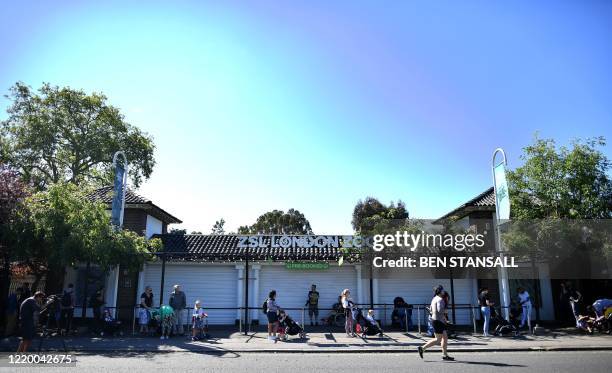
{"points": [[539, 362]]}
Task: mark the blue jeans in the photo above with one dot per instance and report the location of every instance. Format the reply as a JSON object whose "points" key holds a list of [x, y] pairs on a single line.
{"points": [[486, 313]]}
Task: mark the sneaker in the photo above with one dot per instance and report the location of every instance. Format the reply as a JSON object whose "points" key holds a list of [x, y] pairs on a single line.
{"points": [[448, 358], [420, 349], [193, 339]]}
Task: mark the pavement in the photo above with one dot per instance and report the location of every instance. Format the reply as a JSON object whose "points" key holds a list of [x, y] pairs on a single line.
{"points": [[321, 341]]}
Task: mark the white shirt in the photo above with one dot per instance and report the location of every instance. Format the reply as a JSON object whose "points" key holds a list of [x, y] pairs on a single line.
{"points": [[524, 299], [437, 308], [346, 302]]}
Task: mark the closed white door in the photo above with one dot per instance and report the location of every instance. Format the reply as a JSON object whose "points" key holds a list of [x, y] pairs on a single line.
{"points": [[420, 291], [215, 286], [292, 287]]}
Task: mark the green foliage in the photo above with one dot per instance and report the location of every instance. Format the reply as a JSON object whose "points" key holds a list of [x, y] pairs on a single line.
{"points": [[65, 135], [561, 182], [561, 198], [279, 222], [60, 227], [218, 228], [371, 216]]}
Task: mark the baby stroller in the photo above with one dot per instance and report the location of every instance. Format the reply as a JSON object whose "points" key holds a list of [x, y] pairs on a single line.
{"points": [[505, 327], [111, 326], [364, 326], [290, 327]]}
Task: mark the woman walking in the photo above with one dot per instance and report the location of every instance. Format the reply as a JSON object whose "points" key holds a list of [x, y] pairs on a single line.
{"points": [[439, 321], [348, 305], [272, 315]]}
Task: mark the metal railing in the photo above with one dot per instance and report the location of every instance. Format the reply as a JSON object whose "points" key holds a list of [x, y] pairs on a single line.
{"points": [[420, 311]]}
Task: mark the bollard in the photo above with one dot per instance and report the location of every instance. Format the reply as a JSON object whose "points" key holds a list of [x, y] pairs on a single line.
{"points": [[474, 319], [419, 317], [406, 320], [303, 319]]}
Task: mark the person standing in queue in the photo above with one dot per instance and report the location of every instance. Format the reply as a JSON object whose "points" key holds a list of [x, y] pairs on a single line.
{"points": [[348, 305], [178, 302], [67, 309], [29, 312], [525, 302], [485, 303], [438, 316], [272, 315], [313, 305]]}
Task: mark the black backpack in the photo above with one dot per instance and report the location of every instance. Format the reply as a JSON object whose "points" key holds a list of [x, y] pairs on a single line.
{"points": [[264, 306]]}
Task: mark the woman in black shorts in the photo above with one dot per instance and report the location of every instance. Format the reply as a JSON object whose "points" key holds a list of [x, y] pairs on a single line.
{"points": [[272, 314], [438, 317]]}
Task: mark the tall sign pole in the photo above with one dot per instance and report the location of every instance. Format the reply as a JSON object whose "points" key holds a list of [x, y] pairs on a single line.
{"points": [[119, 186], [502, 215]]}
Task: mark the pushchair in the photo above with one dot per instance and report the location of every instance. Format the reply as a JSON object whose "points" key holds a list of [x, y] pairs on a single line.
{"points": [[364, 326], [289, 327], [505, 327]]}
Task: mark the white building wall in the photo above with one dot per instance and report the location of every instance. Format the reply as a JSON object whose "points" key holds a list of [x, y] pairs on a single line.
{"points": [[154, 226]]}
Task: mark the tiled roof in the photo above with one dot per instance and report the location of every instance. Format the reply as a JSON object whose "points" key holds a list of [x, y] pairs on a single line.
{"points": [[105, 195], [134, 200], [485, 200], [225, 247]]}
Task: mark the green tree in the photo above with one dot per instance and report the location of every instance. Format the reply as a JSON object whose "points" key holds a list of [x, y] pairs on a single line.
{"points": [[218, 228], [61, 227], [371, 212], [66, 135], [561, 182], [279, 222], [561, 198]]}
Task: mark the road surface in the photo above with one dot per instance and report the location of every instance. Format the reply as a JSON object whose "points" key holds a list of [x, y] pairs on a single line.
{"points": [[539, 362]]}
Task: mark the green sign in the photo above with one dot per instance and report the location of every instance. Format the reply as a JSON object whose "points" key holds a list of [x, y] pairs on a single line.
{"points": [[307, 266]]}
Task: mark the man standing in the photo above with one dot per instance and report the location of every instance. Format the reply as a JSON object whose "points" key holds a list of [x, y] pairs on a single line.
{"points": [[438, 317], [67, 308], [313, 305], [178, 302], [29, 311]]}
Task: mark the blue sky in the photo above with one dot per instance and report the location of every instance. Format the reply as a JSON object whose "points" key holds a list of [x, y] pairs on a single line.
{"points": [[310, 105]]}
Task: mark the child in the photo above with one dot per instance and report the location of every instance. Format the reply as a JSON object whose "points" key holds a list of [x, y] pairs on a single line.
{"points": [[198, 318], [167, 323]]}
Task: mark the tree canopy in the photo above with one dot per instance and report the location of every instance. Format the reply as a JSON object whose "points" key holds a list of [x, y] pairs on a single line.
{"points": [[279, 222], [562, 182], [219, 227], [561, 201], [370, 212], [65, 135], [61, 227]]}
